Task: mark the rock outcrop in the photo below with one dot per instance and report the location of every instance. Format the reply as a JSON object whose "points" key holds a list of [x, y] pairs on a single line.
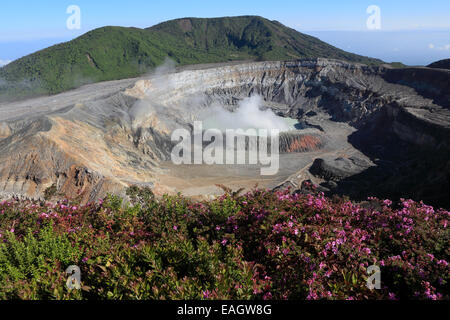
{"points": [[441, 64], [337, 169]]}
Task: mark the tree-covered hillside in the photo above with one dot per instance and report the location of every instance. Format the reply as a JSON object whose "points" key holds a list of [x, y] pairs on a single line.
{"points": [[111, 53]]}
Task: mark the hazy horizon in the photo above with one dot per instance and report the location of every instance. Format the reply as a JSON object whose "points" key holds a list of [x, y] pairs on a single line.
{"points": [[412, 32]]}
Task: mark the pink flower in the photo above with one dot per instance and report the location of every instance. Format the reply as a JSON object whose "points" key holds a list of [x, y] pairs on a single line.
{"points": [[224, 242], [206, 294], [267, 296], [443, 262]]}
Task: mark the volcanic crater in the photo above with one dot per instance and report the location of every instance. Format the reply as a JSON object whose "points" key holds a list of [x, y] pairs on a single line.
{"points": [[358, 130]]}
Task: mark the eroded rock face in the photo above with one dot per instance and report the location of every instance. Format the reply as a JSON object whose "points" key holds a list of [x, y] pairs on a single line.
{"points": [[104, 137]]}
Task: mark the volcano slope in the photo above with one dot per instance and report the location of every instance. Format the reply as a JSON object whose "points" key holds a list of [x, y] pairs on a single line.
{"points": [[363, 131]]}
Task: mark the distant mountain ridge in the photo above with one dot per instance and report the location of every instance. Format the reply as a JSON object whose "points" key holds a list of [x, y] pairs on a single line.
{"points": [[441, 64], [111, 53]]}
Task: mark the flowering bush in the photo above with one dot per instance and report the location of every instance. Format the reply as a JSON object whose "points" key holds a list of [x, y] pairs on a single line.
{"points": [[259, 245]]}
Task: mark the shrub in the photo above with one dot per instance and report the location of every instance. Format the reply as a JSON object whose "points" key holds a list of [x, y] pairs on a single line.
{"points": [[258, 245]]}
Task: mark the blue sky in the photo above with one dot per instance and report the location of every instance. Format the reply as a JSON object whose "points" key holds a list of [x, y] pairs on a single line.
{"points": [[414, 32]]}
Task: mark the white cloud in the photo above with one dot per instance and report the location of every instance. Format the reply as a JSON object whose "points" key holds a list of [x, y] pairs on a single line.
{"points": [[4, 62], [444, 47]]}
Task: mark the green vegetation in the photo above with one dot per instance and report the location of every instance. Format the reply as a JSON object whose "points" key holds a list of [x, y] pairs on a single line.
{"points": [[50, 192], [111, 53], [258, 245]]}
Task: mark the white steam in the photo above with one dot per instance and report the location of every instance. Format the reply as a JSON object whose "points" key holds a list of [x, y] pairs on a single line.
{"points": [[247, 116], [161, 83], [195, 107]]}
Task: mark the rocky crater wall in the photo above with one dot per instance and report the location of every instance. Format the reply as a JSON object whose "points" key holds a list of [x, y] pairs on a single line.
{"points": [[103, 137]]}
